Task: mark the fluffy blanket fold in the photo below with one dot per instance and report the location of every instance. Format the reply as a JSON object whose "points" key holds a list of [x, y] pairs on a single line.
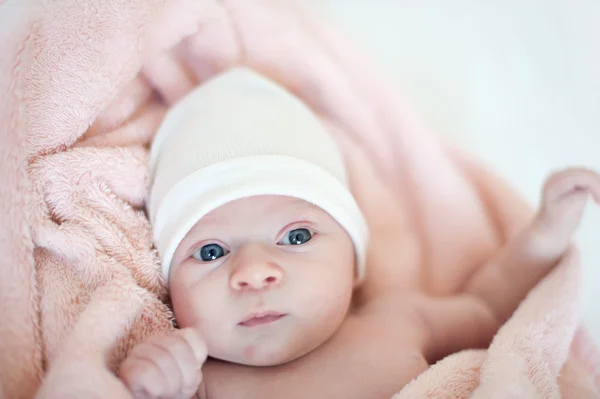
{"points": [[83, 86]]}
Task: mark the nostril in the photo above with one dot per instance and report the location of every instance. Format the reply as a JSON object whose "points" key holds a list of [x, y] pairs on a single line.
{"points": [[242, 284], [270, 279]]}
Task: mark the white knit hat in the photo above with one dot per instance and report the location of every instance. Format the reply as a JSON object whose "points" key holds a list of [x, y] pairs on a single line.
{"points": [[240, 135]]}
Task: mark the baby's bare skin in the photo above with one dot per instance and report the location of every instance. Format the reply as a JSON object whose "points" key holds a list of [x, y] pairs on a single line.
{"points": [[387, 340]]}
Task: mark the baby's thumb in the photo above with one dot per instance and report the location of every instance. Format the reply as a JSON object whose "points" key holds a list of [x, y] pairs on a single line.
{"points": [[196, 342]]}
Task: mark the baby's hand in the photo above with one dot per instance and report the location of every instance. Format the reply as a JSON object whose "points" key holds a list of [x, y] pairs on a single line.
{"points": [[166, 367], [563, 201]]}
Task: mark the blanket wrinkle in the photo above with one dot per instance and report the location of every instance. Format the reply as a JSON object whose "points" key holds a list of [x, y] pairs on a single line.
{"points": [[21, 346], [83, 87]]}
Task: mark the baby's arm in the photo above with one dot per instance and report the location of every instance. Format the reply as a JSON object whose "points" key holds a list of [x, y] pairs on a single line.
{"points": [[166, 367], [494, 292], [513, 272]]}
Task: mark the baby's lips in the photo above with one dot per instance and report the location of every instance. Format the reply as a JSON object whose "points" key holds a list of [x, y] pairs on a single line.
{"points": [[195, 340]]}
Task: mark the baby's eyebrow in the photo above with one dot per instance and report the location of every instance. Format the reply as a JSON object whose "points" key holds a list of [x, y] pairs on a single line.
{"points": [[302, 206], [295, 214]]}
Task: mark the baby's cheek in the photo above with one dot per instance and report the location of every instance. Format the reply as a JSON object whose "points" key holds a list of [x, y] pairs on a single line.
{"points": [[329, 298], [184, 315], [187, 305]]}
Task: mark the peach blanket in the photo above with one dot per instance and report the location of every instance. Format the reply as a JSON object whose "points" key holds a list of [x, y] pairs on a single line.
{"points": [[83, 85]]}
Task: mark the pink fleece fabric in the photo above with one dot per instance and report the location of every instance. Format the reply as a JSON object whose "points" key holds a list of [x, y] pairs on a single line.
{"points": [[83, 86]]}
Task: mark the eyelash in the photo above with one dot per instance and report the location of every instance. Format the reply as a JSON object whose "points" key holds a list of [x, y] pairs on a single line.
{"points": [[201, 244], [295, 226]]}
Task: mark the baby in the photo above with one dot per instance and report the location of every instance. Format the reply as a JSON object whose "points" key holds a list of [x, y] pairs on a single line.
{"points": [[264, 250]]}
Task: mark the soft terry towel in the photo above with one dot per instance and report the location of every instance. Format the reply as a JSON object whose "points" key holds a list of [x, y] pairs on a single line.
{"points": [[83, 85]]}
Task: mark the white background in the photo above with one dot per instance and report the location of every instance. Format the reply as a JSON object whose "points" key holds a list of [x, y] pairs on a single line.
{"points": [[515, 82]]}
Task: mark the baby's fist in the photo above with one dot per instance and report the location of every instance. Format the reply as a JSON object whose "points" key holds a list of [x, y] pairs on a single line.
{"points": [[563, 201], [166, 367]]}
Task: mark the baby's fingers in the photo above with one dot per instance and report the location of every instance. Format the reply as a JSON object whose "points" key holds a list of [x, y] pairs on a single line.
{"points": [[189, 352], [149, 372], [166, 366], [572, 181]]}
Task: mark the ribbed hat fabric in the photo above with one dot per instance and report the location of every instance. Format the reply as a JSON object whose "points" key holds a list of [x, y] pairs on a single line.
{"points": [[240, 135]]}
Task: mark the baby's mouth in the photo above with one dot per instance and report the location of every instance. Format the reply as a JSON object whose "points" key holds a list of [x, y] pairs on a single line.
{"points": [[261, 318]]}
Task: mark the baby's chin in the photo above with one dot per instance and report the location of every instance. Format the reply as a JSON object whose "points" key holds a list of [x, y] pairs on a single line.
{"points": [[263, 355]]}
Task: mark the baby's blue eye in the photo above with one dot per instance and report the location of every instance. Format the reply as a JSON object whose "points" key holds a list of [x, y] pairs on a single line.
{"points": [[209, 253], [296, 237]]}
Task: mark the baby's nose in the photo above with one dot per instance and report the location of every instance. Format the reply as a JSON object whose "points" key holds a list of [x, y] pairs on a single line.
{"points": [[256, 277]]}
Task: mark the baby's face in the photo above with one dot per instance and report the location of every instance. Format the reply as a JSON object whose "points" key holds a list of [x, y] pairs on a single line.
{"points": [[265, 279]]}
